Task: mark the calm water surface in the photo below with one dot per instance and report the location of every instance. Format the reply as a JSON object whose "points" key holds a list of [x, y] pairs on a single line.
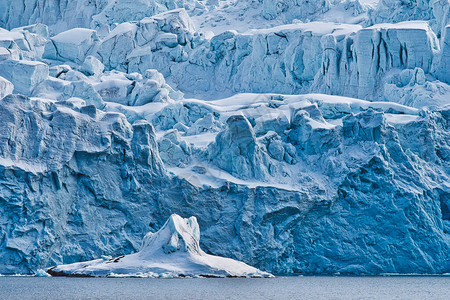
{"points": [[395, 287]]}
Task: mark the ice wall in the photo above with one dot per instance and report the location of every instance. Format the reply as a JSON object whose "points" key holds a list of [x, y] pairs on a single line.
{"points": [[375, 202], [443, 65], [315, 57], [392, 11], [59, 162], [61, 15], [358, 67]]}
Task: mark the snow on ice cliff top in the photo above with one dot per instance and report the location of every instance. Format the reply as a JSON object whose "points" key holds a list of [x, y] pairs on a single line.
{"points": [[307, 136], [173, 251]]}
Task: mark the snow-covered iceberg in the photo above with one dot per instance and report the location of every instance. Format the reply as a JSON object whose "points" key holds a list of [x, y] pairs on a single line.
{"points": [[173, 251]]}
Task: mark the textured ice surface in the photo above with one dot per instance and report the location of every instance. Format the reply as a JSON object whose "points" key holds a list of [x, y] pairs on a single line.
{"points": [[173, 251], [352, 192], [392, 11], [220, 15], [24, 74], [313, 57], [443, 65], [102, 146], [65, 14], [71, 45]]}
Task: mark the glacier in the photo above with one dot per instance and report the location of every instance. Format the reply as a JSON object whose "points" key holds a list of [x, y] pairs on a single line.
{"points": [[316, 142]]}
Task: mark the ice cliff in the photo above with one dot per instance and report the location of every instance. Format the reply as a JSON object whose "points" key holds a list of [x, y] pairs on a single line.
{"points": [[299, 58], [66, 14], [173, 251], [309, 147], [330, 58], [220, 15], [341, 181], [392, 11]]}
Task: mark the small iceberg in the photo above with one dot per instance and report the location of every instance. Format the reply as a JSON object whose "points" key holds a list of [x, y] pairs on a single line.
{"points": [[41, 273], [173, 251]]}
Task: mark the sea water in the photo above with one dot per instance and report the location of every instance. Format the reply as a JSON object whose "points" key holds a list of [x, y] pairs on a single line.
{"points": [[388, 287]]}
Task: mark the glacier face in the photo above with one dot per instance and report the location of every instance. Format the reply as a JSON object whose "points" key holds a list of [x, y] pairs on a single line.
{"points": [[99, 145], [66, 14], [220, 15], [358, 200], [392, 11], [301, 58]]}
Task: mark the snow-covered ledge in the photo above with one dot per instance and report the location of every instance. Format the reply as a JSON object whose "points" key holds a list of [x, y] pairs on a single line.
{"points": [[173, 251]]}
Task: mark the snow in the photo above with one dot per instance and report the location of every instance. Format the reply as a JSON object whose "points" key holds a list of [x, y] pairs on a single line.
{"points": [[316, 28], [400, 119], [72, 45], [121, 29], [6, 87], [173, 251], [75, 36], [92, 66], [419, 25]]}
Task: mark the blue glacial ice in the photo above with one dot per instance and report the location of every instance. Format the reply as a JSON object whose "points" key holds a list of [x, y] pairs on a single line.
{"points": [[306, 145]]}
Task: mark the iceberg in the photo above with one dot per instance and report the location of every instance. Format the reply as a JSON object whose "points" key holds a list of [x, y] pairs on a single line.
{"points": [[173, 251]]}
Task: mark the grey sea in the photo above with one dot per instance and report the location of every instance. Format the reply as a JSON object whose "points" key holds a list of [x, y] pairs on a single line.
{"points": [[389, 287]]}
